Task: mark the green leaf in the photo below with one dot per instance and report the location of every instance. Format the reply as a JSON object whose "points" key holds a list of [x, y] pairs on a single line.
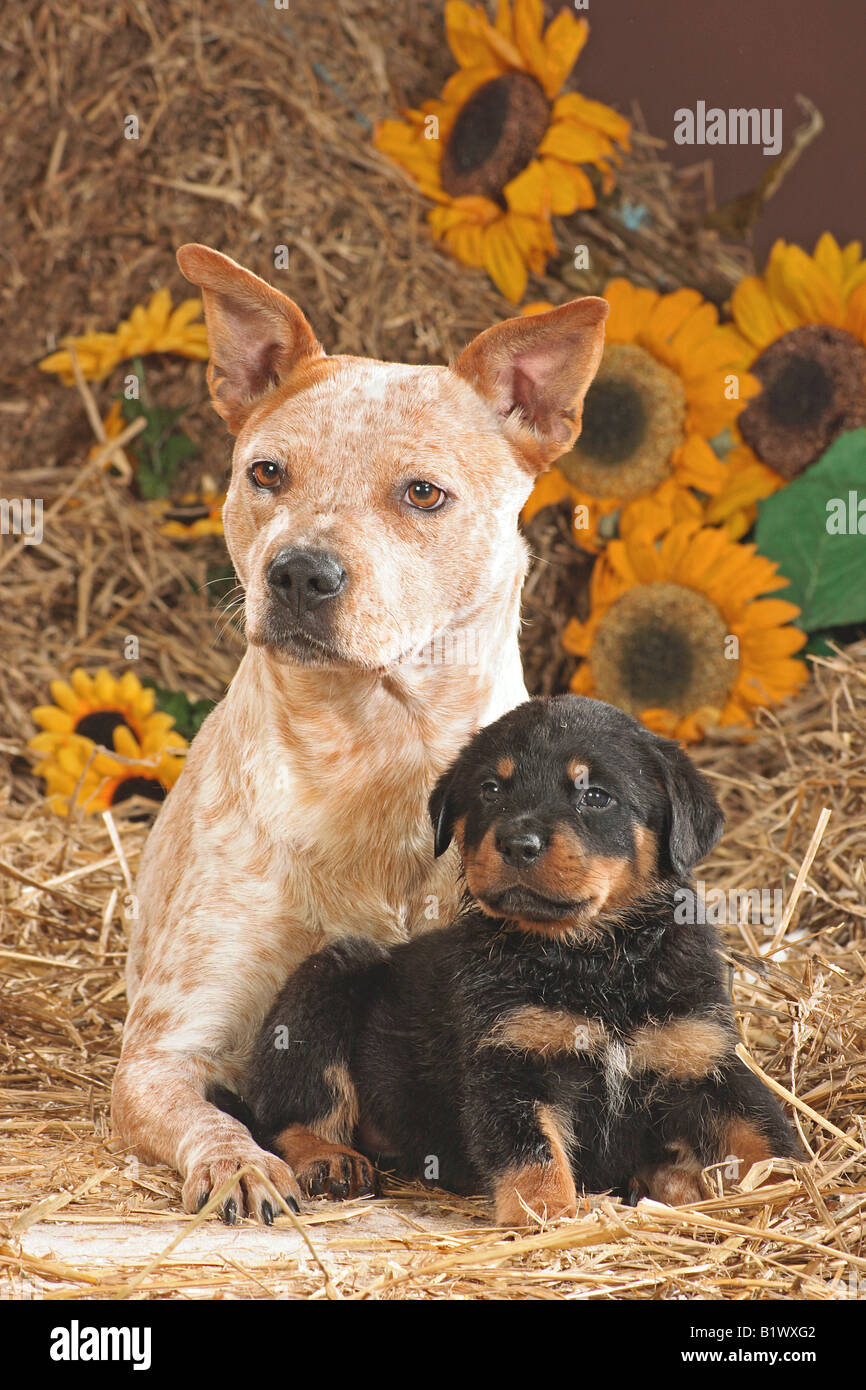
{"points": [[188, 715], [176, 449], [815, 529], [160, 448], [818, 644]]}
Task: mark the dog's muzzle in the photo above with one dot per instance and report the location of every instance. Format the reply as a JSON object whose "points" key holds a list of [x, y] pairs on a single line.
{"points": [[304, 580]]}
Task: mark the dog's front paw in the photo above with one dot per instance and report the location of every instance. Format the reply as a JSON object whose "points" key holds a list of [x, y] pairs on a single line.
{"points": [[545, 1191], [672, 1183], [338, 1175], [248, 1196], [324, 1169]]}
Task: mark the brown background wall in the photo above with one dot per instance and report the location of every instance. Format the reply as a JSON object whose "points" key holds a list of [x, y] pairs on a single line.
{"points": [[672, 53]]}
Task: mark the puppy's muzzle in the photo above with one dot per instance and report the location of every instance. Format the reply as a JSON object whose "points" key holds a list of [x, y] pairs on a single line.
{"points": [[519, 846], [305, 580]]}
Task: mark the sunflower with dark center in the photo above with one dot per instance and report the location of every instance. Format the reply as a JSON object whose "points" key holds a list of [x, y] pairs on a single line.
{"points": [[662, 392], [801, 328], [103, 742], [197, 514], [681, 635], [501, 151]]}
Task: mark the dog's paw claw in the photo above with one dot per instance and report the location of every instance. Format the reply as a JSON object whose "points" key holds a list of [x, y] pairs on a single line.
{"points": [[249, 1196], [338, 1174]]}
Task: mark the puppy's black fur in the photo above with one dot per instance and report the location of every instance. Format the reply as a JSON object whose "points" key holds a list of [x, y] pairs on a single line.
{"points": [[566, 1032]]}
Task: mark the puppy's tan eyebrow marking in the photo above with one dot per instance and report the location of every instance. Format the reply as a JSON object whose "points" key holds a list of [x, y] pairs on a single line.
{"points": [[578, 772], [505, 767]]}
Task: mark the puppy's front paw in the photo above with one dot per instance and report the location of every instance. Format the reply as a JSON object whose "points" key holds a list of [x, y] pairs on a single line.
{"points": [[547, 1189], [338, 1176], [324, 1169], [248, 1196], [671, 1183]]}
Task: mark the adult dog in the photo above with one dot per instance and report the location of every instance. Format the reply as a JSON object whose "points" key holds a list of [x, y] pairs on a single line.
{"points": [[372, 520]]}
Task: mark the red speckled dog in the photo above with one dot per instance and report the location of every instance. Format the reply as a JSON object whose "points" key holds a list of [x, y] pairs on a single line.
{"points": [[372, 520]]}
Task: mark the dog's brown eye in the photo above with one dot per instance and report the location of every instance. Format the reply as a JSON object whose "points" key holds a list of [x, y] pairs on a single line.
{"points": [[265, 473], [490, 790], [596, 798], [427, 497]]}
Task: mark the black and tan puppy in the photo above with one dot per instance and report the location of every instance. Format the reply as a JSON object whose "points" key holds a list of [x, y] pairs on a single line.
{"points": [[565, 1033]]}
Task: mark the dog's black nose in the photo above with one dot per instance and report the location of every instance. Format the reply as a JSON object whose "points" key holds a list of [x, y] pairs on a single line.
{"points": [[519, 848], [303, 579]]}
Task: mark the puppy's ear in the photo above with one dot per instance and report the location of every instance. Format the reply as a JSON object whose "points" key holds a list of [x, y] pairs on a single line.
{"points": [[256, 335], [695, 819], [535, 372], [442, 812]]}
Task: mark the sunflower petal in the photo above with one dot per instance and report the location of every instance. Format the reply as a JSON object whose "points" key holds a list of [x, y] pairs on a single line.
{"points": [[64, 696], [573, 143], [807, 290], [504, 263], [828, 258], [528, 192], [463, 84], [53, 719], [527, 17], [754, 313], [630, 308], [474, 41], [569, 187], [574, 106], [670, 312], [855, 320], [696, 465], [563, 42], [466, 244]]}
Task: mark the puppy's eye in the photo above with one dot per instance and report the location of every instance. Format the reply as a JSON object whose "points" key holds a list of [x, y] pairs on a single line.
{"points": [[266, 474], [596, 798], [425, 497], [489, 790]]}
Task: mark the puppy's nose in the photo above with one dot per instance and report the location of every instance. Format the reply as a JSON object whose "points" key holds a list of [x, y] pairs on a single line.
{"points": [[519, 848], [304, 579]]}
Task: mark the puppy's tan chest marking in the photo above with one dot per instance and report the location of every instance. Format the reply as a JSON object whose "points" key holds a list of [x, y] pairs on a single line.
{"points": [[683, 1049], [547, 1032]]}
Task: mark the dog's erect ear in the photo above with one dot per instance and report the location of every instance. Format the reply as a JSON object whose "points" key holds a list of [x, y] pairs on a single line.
{"points": [[695, 819], [256, 335], [535, 372], [442, 812]]}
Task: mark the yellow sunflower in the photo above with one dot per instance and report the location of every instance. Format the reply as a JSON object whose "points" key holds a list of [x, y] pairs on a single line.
{"points": [[669, 381], [152, 327], [102, 742], [680, 636], [747, 482], [802, 330], [501, 150], [197, 514]]}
